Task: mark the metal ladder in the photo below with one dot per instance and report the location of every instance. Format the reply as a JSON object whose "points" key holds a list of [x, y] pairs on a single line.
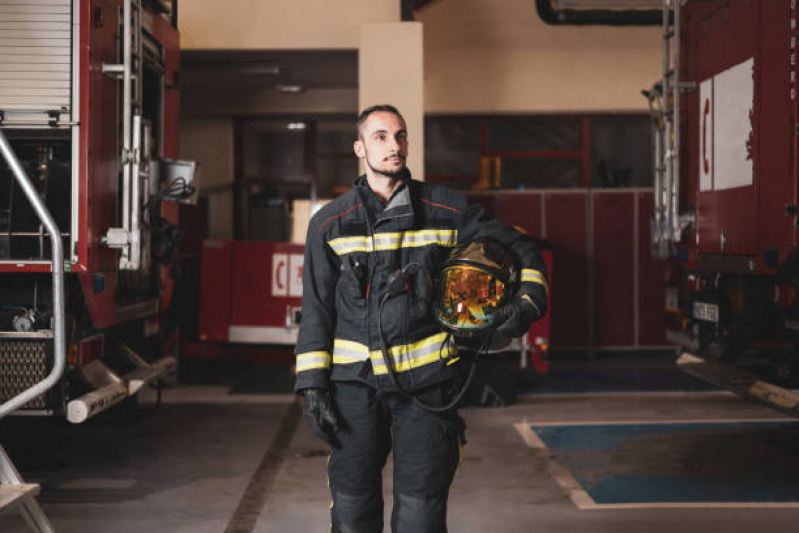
{"points": [[129, 72], [14, 492], [664, 106]]}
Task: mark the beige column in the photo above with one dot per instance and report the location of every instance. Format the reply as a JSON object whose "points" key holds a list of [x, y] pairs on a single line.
{"points": [[391, 71]]}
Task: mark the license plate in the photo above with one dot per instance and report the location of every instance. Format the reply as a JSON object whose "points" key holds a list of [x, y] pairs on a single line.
{"points": [[706, 312]]}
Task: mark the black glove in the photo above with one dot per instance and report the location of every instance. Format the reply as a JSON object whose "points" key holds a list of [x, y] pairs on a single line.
{"points": [[514, 319], [320, 414]]}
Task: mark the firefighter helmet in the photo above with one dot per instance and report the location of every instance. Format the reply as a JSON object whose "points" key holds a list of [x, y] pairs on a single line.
{"points": [[475, 281]]}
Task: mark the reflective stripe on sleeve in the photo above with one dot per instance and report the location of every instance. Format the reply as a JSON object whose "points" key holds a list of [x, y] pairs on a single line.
{"points": [[529, 274], [312, 360], [349, 352], [346, 245]]}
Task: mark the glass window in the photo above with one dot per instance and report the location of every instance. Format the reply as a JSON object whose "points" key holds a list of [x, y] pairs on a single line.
{"points": [[274, 150], [335, 173], [621, 152], [541, 173], [534, 134], [452, 146], [335, 136]]}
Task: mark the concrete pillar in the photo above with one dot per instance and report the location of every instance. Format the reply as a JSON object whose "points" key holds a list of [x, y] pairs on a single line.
{"points": [[391, 71]]}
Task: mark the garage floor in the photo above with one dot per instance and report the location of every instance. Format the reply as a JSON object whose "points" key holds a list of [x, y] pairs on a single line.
{"points": [[638, 456]]}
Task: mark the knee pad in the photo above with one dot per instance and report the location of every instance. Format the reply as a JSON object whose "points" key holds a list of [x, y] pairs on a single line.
{"points": [[357, 513], [419, 515]]}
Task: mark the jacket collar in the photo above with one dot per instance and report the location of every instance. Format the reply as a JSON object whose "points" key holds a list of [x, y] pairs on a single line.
{"points": [[398, 214]]}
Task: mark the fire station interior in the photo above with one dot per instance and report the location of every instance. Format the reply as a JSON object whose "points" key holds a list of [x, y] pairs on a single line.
{"points": [[648, 146]]}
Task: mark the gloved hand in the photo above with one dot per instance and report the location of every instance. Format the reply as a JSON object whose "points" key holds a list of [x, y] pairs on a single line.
{"points": [[514, 319], [320, 414]]}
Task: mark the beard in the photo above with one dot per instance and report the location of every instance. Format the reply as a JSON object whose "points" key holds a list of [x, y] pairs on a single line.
{"points": [[399, 173]]}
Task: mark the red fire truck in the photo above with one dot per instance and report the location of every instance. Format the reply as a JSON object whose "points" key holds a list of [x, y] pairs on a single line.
{"points": [[89, 192], [726, 217]]}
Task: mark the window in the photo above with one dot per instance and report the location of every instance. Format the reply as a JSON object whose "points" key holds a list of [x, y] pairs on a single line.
{"points": [[538, 152], [280, 159]]}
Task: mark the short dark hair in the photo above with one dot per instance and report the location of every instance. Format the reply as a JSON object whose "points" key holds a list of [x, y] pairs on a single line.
{"points": [[374, 109]]}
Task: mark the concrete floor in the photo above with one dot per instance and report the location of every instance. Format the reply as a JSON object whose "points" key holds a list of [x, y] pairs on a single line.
{"points": [[205, 456]]}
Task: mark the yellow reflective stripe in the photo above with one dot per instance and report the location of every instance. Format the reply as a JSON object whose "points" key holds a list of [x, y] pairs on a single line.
{"points": [[528, 274], [442, 237], [312, 360], [346, 245], [414, 355], [345, 351], [415, 361], [405, 356], [394, 241]]}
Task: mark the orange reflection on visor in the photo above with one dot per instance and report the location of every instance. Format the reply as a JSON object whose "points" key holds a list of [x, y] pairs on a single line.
{"points": [[468, 296]]}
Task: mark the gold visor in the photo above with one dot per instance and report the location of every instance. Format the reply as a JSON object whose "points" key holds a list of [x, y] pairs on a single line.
{"points": [[468, 296]]}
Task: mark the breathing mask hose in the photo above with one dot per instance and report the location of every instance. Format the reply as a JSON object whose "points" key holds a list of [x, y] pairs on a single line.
{"points": [[397, 284]]}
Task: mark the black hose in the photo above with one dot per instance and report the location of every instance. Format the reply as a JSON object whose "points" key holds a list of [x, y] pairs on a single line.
{"points": [[393, 373]]}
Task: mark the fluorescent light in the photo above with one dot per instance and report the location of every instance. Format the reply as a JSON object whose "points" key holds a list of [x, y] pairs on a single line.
{"points": [[292, 89], [296, 125]]}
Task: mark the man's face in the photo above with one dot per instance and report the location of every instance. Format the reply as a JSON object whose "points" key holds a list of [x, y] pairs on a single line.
{"points": [[383, 144]]}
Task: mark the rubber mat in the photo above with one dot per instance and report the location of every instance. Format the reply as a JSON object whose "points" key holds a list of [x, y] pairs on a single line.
{"points": [[690, 462]]}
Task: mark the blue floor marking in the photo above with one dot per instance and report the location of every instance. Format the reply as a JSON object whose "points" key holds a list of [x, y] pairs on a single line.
{"points": [[697, 462]]}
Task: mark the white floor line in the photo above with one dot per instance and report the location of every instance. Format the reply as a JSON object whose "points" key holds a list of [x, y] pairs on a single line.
{"points": [[652, 394], [583, 501], [661, 422], [561, 474]]}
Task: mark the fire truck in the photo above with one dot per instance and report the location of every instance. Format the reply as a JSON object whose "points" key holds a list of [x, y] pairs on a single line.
{"points": [[89, 201], [726, 216]]}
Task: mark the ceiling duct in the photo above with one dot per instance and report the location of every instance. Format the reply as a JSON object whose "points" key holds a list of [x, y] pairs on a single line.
{"points": [[601, 12]]}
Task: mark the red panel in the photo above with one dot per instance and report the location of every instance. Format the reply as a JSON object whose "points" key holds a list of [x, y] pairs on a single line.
{"points": [[775, 126], [794, 95], [487, 200], [215, 290], [566, 230], [522, 210], [100, 297], [25, 267], [614, 256], [83, 136], [651, 296], [254, 304], [722, 35], [99, 112]]}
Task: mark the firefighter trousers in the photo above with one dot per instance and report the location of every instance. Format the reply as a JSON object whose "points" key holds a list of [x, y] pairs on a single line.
{"points": [[426, 452]]}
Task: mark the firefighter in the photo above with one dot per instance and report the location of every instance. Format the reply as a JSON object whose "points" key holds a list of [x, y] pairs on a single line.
{"points": [[374, 367]]}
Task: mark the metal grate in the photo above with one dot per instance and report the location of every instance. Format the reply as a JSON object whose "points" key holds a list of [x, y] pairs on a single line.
{"points": [[23, 363], [35, 55]]}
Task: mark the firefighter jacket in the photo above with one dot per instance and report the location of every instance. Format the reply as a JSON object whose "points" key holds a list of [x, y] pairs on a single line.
{"points": [[352, 246]]}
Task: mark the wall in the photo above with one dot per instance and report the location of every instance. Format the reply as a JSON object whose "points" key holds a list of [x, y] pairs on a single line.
{"points": [[391, 71], [279, 24], [210, 142], [479, 58]]}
